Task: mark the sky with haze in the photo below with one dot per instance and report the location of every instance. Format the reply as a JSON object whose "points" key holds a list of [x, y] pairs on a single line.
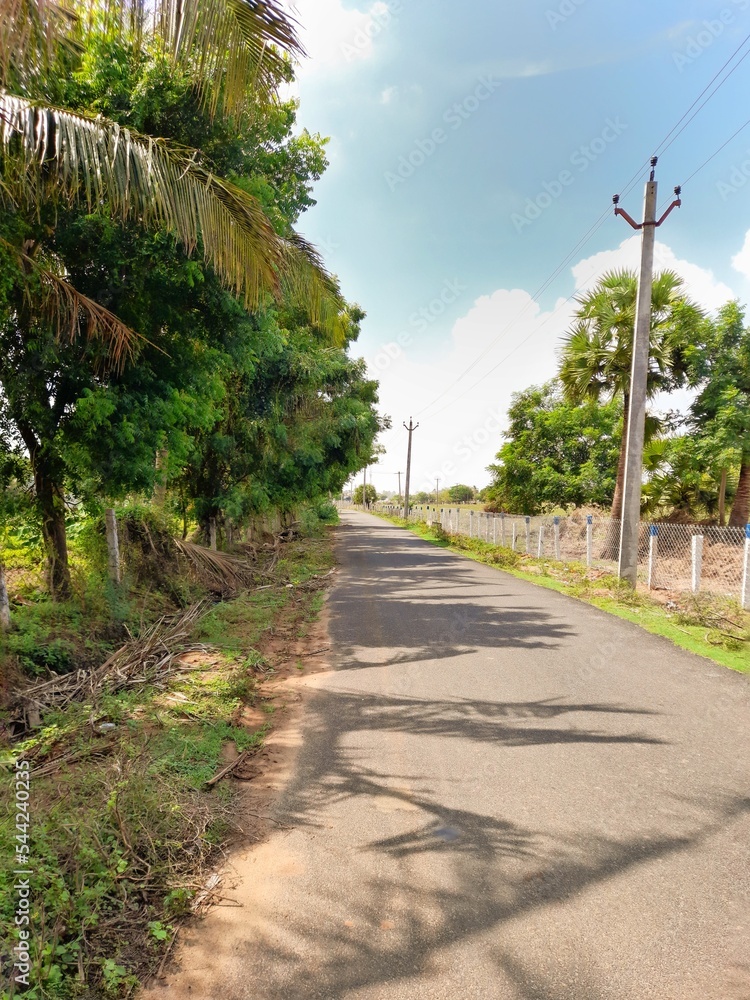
{"points": [[475, 149]]}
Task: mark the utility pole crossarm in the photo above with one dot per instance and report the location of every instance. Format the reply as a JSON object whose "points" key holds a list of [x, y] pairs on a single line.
{"points": [[677, 203]]}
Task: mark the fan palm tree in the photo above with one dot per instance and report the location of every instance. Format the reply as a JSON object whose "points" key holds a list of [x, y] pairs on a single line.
{"points": [[597, 352]]}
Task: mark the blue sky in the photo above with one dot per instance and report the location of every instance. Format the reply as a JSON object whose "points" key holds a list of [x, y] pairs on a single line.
{"points": [[472, 148]]}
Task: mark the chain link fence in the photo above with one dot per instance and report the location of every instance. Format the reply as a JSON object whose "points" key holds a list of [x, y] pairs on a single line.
{"points": [[671, 557]]}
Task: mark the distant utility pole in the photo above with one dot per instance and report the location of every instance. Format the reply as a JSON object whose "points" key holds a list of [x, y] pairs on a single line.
{"points": [[411, 428], [399, 483], [364, 488], [437, 491], [631, 500]]}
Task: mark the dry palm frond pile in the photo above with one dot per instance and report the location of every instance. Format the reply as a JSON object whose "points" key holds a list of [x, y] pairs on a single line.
{"points": [[219, 571], [145, 660]]}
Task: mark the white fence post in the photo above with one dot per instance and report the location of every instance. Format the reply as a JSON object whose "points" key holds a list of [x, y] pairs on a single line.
{"points": [[528, 534], [471, 524], [494, 530], [556, 529], [502, 530], [487, 527], [653, 546], [589, 539], [540, 547], [745, 596], [697, 562], [513, 539]]}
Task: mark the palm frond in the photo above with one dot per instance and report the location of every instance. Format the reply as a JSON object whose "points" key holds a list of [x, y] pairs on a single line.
{"points": [[29, 32], [51, 152], [71, 312], [235, 48]]}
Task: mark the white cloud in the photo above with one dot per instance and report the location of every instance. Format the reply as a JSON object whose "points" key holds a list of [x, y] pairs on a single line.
{"points": [[388, 95], [457, 442], [741, 260], [460, 434], [700, 282], [336, 37]]}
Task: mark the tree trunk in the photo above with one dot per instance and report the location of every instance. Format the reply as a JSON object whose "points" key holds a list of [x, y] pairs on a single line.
{"points": [[113, 546], [212, 533], [611, 548], [723, 498], [740, 512], [160, 486], [4, 602], [49, 496]]}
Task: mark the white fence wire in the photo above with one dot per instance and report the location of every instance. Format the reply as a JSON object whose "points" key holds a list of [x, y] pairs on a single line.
{"points": [[671, 557]]}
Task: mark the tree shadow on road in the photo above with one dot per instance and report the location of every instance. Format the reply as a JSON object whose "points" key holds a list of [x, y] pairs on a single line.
{"points": [[421, 603], [369, 954], [405, 913]]}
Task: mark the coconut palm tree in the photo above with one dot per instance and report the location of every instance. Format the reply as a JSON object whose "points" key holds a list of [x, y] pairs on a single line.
{"points": [[597, 352], [236, 52]]}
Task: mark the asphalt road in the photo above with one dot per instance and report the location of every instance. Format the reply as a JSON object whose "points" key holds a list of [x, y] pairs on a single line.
{"points": [[501, 793]]}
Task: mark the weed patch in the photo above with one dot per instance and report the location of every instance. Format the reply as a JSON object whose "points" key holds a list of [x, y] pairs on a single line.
{"points": [[124, 832]]}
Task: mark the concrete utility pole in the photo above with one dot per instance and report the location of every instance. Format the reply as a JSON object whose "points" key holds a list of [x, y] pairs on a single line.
{"points": [[399, 484], [411, 428], [437, 492], [364, 488], [631, 500]]}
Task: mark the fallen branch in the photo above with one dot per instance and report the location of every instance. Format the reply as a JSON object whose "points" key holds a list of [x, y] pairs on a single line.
{"points": [[244, 756]]}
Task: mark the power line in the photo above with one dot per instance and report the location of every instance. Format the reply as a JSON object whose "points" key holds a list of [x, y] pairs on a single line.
{"points": [[540, 291], [582, 286], [664, 144], [670, 138], [716, 152]]}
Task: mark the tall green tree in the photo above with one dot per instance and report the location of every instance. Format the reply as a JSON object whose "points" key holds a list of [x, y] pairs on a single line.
{"points": [[556, 454], [86, 289], [460, 493], [299, 419], [68, 155], [597, 353], [365, 494], [720, 414], [684, 474]]}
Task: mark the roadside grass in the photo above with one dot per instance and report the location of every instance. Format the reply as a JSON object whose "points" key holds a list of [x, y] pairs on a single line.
{"points": [[710, 626], [123, 832]]}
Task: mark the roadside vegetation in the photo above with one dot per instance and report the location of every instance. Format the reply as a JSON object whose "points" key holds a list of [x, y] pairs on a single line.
{"points": [[713, 627], [126, 837], [177, 402], [564, 445]]}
